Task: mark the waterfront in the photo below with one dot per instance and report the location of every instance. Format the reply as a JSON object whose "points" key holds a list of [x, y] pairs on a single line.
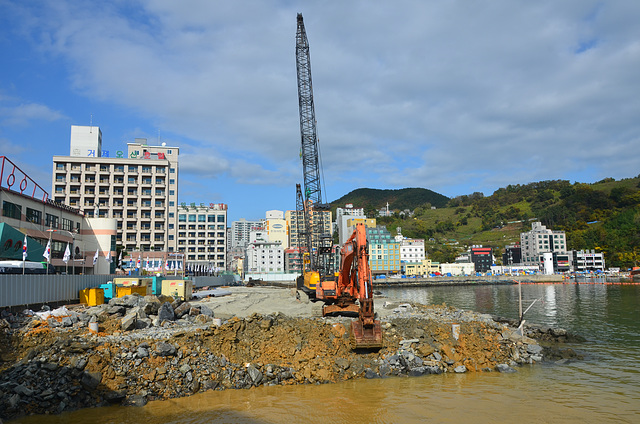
{"points": [[604, 387]]}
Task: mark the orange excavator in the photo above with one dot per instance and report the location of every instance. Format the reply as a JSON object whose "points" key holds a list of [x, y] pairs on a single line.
{"points": [[351, 291]]}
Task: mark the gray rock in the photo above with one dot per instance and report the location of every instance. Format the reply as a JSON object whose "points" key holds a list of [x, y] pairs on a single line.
{"points": [[534, 349], [185, 369], [504, 368], [136, 400], [165, 349], [152, 304], [117, 310], [460, 369], [53, 323], [142, 352], [194, 311], [90, 380], [66, 322], [165, 312], [436, 356], [128, 322], [204, 310], [434, 370], [182, 310], [384, 370], [22, 390], [369, 373], [254, 374], [417, 371]]}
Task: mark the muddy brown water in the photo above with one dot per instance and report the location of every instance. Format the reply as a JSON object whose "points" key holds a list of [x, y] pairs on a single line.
{"points": [[603, 388]]}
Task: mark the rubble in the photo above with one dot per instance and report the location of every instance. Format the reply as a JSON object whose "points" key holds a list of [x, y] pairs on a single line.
{"points": [[150, 348]]}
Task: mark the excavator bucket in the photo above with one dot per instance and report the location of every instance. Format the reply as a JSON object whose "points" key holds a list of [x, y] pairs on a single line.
{"points": [[366, 336]]}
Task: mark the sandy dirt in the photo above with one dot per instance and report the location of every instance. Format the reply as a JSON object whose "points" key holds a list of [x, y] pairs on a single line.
{"points": [[245, 301]]}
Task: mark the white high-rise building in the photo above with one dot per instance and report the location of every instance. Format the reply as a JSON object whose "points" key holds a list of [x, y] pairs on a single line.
{"points": [[241, 230], [541, 240], [138, 187]]}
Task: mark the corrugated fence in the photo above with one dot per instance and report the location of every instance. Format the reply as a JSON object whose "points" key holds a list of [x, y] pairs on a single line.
{"points": [[40, 289]]}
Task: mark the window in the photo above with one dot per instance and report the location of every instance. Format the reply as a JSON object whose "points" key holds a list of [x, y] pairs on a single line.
{"points": [[170, 214], [67, 224], [192, 218], [51, 221], [182, 217], [118, 168], [172, 203], [34, 216], [172, 192], [220, 218], [202, 218], [133, 168], [11, 210], [171, 181]]}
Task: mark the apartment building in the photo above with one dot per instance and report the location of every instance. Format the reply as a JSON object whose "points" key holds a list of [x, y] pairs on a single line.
{"points": [[295, 221], [202, 234], [137, 187], [241, 230], [384, 251], [541, 240]]}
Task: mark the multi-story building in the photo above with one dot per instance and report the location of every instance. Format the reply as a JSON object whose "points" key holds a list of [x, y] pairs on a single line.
{"points": [[295, 220], [384, 251], [512, 255], [264, 257], [138, 188], [277, 228], [28, 211], [541, 240], [423, 267], [342, 215], [482, 258], [240, 231], [202, 234], [588, 260]]}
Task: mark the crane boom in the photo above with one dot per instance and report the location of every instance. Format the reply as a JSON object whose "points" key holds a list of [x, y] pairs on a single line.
{"points": [[318, 241]]}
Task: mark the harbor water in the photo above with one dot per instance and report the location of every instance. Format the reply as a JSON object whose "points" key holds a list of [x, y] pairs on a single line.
{"points": [[604, 387]]}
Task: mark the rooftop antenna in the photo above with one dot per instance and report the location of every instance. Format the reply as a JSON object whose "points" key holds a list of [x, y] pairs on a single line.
{"points": [[91, 123]]}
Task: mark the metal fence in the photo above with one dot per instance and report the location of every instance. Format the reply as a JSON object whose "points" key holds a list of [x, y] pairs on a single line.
{"points": [[41, 289]]}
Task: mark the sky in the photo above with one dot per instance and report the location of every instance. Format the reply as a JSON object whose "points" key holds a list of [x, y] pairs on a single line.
{"points": [[453, 96]]}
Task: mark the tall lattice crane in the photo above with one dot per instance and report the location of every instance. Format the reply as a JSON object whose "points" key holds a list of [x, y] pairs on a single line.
{"points": [[318, 242]]}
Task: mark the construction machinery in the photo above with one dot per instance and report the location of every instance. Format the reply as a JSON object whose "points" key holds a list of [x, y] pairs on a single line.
{"points": [[317, 241], [348, 291], [351, 291]]}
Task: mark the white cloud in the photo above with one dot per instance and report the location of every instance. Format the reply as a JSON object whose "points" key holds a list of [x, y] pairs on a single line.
{"points": [[444, 95], [27, 113]]}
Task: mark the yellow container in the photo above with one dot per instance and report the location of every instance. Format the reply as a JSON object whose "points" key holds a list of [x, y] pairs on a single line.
{"points": [[132, 281], [92, 297], [126, 290], [177, 288]]}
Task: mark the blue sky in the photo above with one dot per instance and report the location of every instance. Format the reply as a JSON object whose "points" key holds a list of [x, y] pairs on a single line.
{"points": [[453, 96]]}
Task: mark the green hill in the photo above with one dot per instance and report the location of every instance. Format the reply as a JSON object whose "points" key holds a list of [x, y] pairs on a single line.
{"points": [[604, 216], [401, 199]]}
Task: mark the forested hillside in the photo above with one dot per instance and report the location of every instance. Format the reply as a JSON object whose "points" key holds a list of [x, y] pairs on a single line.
{"points": [[604, 216], [407, 198]]}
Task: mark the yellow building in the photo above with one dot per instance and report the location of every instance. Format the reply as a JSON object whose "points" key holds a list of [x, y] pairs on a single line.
{"points": [[425, 267]]}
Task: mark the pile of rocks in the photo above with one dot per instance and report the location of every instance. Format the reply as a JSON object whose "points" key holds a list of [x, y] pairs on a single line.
{"points": [[158, 348]]}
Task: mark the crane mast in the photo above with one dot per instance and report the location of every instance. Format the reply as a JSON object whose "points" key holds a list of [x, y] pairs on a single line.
{"points": [[317, 241]]}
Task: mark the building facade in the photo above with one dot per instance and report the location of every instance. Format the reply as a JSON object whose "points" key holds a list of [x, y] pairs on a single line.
{"points": [[264, 257], [202, 234], [384, 251], [28, 211], [482, 258], [137, 187], [588, 260], [541, 240], [295, 220], [240, 231]]}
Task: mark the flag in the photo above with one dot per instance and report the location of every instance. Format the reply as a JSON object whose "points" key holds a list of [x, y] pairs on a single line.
{"points": [[173, 266], [139, 260], [95, 257], [109, 257], [47, 251], [120, 259], [24, 249], [166, 265], [67, 254], [179, 265], [147, 264]]}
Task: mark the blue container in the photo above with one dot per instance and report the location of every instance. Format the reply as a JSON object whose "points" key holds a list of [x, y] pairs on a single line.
{"points": [[109, 289]]}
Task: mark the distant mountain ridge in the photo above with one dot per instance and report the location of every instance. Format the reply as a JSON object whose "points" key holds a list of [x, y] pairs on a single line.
{"points": [[399, 199]]}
